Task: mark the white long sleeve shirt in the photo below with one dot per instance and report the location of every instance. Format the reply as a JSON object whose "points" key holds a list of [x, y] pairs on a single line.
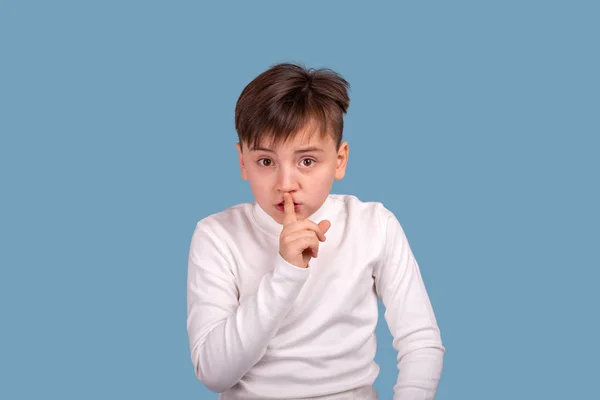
{"points": [[261, 328]]}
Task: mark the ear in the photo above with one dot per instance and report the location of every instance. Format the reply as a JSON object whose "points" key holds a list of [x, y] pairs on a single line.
{"points": [[243, 171], [342, 161]]}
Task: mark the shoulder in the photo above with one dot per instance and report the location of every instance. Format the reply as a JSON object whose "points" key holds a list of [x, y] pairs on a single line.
{"points": [[357, 208], [370, 217], [365, 221], [227, 220]]}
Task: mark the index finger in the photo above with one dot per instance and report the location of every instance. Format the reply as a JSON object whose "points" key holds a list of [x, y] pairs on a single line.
{"points": [[289, 215]]}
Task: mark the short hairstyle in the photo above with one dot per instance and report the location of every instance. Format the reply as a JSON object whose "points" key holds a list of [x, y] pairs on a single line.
{"points": [[286, 98]]}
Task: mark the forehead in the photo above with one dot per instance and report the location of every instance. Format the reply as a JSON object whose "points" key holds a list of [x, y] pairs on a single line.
{"points": [[303, 139]]}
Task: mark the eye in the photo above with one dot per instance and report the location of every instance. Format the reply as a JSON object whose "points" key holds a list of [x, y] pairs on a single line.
{"points": [[310, 160], [263, 164]]}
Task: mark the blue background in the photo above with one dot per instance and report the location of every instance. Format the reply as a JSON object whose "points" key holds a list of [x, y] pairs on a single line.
{"points": [[475, 122]]}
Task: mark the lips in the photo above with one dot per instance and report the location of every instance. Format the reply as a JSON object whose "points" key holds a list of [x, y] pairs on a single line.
{"points": [[281, 204]]}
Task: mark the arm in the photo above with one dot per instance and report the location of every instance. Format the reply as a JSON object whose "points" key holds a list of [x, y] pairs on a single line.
{"points": [[409, 316], [227, 338]]}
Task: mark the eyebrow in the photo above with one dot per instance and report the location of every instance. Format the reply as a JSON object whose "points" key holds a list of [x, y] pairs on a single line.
{"points": [[304, 150]]}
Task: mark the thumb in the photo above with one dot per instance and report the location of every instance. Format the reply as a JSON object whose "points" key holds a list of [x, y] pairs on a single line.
{"points": [[325, 225]]}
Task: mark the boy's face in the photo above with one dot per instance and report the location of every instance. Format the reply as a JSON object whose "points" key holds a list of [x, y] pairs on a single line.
{"points": [[305, 166]]}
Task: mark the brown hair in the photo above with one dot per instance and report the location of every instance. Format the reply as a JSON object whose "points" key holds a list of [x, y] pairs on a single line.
{"points": [[288, 97]]}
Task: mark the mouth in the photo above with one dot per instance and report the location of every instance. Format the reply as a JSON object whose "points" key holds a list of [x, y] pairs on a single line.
{"points": [[281, 206]]}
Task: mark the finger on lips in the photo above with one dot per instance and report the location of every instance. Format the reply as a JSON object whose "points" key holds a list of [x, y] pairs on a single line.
{"points": [[289, 215], [304, 231]]}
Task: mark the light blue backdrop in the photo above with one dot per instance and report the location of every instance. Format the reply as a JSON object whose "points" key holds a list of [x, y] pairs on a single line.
{"points": [[477, 124]]}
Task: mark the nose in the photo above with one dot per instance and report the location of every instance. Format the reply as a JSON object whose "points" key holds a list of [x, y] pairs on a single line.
{"points": [[286, 180]]}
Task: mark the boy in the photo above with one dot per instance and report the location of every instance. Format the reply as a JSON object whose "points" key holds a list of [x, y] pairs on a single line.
{"points": [[282, 292]]}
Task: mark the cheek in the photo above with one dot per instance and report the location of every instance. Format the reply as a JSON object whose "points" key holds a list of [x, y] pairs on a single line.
{"points": [[259, 181], [324, 174]]}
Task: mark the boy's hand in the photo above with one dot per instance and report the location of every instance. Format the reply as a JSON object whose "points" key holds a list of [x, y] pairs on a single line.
{"points": [[299, 240]]}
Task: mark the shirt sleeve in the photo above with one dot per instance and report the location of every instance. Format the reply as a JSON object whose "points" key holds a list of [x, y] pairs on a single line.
{"points": [[409, 315], [227, 338]]}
